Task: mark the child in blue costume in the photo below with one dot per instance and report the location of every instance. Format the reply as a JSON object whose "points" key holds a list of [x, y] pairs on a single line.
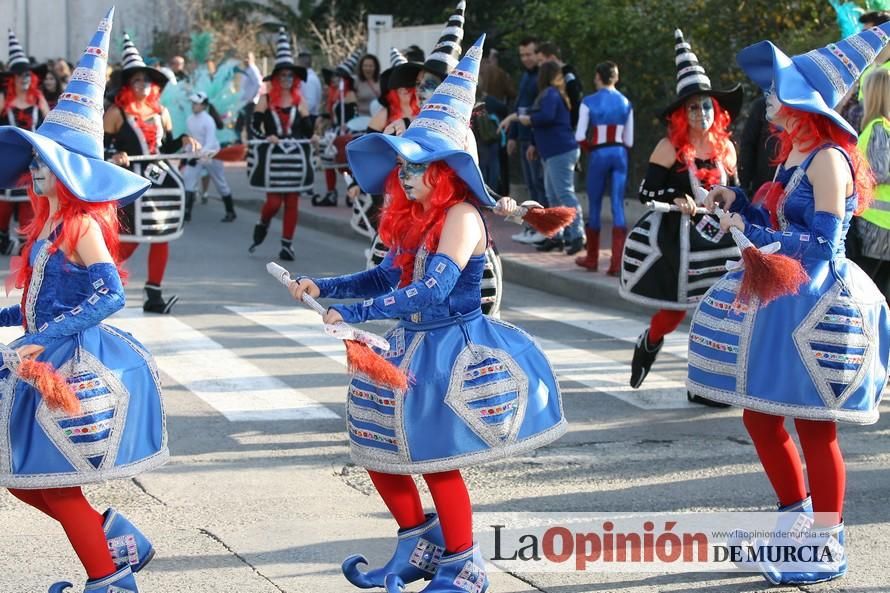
{"points": [[71, 284], [819, 356], [479, 389]]}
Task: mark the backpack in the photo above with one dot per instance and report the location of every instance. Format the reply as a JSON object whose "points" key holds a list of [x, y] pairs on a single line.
{"points": [[485, 127]]}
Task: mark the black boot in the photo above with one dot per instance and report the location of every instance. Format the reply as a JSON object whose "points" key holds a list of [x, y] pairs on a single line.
{"points": [[6, 246], [260, 230], [644, 355], [230, 209], [189, 202], [154, 300], [287, 251], [329, 199]]}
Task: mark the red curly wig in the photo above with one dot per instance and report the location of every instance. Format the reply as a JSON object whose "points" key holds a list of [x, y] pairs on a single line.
{"points": [[276, 92], [809, 131], [404, 224], [718, 136], [334, 91], [126, 98], [32, 96], [394, 103], [71, 212]]}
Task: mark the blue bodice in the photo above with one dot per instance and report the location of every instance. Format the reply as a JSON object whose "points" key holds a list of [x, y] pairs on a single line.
{"points": [[56, 287], [796, 210], [466, 296]]}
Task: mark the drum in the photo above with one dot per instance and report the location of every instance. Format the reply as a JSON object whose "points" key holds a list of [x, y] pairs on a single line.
{"points": [[492, 276], [282, 167], [158, 216]]}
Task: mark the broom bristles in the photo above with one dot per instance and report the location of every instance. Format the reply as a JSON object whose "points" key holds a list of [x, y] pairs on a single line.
{"points": [[549, 221], [54, 389], [769, 276], [361, 359]]}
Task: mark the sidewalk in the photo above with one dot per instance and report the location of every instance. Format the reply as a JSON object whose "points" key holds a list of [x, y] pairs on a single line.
{"points": [[555, 273]]}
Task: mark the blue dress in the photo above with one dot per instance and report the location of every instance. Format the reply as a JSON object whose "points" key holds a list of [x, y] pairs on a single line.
{"points": [[122, 431], [479, 389], [821, 354]]}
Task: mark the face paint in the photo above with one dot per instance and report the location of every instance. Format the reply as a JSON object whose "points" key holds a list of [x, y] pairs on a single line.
{"points": [[426, 87], [286, 80], [411, 176], [26, 81], [700, 111], [40, 175], [140, 86], [772, 103]]}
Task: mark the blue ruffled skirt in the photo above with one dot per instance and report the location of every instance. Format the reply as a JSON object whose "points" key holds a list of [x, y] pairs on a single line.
{"points": [[121, 433], [480, 389], [821, 354]]}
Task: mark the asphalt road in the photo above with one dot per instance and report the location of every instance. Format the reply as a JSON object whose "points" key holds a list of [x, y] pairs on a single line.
{"points": [[260, 495]]}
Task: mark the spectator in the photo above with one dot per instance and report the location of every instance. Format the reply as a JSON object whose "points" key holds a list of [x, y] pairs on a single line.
{"points": [[415, 54], [605, 122], [311, 89], [521, 136], [251, 84], [488, 140], [757, 148], [367, 85], [550, 53], [63, 71], [49, 84], [177, 65], [551, 122], [872, 228], [850, 106], [499, 91]]}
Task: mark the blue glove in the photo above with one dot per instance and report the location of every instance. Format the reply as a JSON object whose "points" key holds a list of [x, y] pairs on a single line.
{"points": [[106, 300], [370, 283], [821, 243], [10, 316], [742, 205], [441, 276]]}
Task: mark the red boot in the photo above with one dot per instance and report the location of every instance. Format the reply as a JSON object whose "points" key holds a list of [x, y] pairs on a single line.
{"points": [[592, 258], [618, 236]]}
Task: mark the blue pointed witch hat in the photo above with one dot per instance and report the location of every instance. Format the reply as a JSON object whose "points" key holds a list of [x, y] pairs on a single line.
{"points": [[69, 140], [440, 133], [817, 80]]}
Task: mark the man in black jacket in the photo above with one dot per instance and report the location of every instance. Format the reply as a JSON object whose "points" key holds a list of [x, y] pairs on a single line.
{"points": [[550, 53]]}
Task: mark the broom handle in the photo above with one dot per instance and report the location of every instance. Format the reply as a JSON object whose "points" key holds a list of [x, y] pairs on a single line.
{"points": [[284, 277], [738, 236], [173, 156], [665, 207]]}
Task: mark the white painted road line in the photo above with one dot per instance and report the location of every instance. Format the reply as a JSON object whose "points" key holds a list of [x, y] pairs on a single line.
{"points": [[238, 389], [297, 324], [571, 364], [625, 329]]}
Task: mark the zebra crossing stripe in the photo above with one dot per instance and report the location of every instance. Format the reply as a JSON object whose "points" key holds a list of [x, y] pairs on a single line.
{"points": [[235, 387]]}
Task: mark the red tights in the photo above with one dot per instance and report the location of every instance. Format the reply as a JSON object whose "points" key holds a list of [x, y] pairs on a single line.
{"points": [[158, 254], [781, 461], [26, 213], [330, 179], [450, 497], [664, 322], [273, 204], [81, 522]]}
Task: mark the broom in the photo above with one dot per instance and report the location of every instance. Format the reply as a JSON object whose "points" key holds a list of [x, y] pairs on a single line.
{"points": [[54, 389], [359, 356], [767, 275], [547, 221]]}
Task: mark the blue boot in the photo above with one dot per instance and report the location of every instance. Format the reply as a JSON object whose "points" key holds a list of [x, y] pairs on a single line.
{"points": [[831, 562], [416, 557], [463, 572], [122, 581], [127, 544]]}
